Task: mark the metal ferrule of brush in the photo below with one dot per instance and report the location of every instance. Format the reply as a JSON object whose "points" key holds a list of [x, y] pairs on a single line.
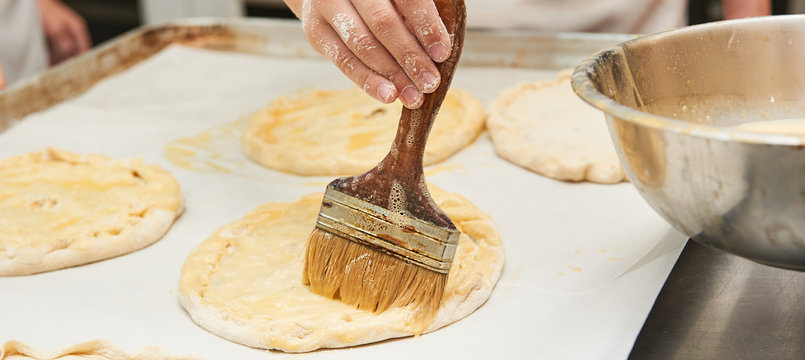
{"points": [[405, 237]]}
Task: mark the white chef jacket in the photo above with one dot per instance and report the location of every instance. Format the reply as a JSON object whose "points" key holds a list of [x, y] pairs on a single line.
{"points": [[22, 44], [617, 16]]}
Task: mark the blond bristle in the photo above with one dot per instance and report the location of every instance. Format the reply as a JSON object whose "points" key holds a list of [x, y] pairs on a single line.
{"points": [[369, 279]]}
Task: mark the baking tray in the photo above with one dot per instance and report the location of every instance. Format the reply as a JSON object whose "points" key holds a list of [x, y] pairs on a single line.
{"points": [[279, 38], [552, 300]]}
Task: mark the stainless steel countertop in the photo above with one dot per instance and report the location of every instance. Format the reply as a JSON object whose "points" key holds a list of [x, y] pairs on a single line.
{"points": [[719, 306]]}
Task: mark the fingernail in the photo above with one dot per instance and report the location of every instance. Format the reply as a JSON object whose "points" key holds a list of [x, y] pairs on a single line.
{"points": [[386, 93], [411, 96], [438, 51], [429, 82]]}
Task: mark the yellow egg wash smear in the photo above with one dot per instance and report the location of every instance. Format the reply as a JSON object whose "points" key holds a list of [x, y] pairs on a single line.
{"points": [[55, 197]]}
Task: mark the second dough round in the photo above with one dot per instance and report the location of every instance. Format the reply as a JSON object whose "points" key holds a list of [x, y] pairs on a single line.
{"points": [[347, 132], [544, 127]]}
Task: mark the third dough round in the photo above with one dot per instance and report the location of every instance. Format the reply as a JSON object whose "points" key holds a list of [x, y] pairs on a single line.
{"points": [[60, 209], [244, 283], [347, 132], [544, 127]]}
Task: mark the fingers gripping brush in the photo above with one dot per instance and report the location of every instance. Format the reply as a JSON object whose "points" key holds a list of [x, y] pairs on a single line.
{"points": [[380, 240]]}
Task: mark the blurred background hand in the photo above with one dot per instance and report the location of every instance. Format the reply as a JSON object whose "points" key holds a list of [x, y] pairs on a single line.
{"points": [[65, 31]]}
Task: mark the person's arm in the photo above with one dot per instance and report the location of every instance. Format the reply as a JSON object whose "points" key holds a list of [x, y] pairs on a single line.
{"points": [[387, 47], [738, 9], [65, 31], [2, 79]]}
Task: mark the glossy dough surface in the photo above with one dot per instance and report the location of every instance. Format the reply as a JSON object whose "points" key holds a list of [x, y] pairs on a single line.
{"points": [[347, 132], [244, 283], [59, 209], [544, 127], [90, 350]]}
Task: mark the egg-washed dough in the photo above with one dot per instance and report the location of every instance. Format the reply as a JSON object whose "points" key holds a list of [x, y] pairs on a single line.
{"points": [[544, 127], [90, 350], [59, 209], [244, 283], [348, 132]]}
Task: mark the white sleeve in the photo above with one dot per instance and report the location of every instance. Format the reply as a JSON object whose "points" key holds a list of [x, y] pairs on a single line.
{"points": [[160, 11], [626, 16], [22, 44]]}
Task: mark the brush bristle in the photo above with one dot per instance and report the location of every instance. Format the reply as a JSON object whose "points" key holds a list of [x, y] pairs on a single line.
{"points": [[370, 279]]}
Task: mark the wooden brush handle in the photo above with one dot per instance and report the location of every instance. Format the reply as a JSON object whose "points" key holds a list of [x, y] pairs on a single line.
{"points": [[415, 124], [398, 181]]}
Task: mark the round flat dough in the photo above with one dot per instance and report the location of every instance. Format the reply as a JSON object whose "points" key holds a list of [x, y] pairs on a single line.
{"points": [[348, 132], [544, 127], [244, 283], [59, 209], [90, 350]]}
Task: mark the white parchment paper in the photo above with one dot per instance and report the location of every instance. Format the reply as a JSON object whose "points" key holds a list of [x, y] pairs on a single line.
{"points": [[584, 261]]}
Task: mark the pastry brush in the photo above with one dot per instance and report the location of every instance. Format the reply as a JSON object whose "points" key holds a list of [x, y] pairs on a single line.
{"points": [[380, 240]]}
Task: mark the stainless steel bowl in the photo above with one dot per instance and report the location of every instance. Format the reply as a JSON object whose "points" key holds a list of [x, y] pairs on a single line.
{"points": [[673, 100]]}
